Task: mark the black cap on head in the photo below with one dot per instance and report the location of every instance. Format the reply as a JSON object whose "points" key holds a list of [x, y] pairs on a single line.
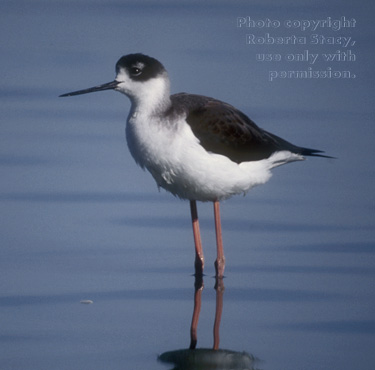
{"points": [[140, 67]]}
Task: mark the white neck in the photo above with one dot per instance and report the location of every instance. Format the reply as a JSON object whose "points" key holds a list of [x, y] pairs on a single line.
{"points": [[150, 97]]}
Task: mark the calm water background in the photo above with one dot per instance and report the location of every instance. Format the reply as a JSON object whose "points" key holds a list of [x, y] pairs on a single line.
{"points": [[79, 220]]}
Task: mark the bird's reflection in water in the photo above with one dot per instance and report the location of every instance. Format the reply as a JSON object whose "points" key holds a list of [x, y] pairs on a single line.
{"points": [[206, 358]]}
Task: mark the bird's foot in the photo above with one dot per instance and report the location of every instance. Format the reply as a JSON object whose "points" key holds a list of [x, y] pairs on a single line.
{"points": [[199, 265], [219, 267]]}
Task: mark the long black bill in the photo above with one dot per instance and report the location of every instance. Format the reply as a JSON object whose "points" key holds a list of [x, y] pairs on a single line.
{"points": [[108, 86]]}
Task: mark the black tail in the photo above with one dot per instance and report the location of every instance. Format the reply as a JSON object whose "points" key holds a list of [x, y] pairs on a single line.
{"points": [[281, 144], [312, 152]]}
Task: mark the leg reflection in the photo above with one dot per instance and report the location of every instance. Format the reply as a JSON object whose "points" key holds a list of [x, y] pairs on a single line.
{"points": [[219, 287], [198, 287], [205, 358]]}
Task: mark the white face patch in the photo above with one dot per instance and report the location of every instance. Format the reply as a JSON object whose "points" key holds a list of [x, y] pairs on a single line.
{"points": [[146, 96], [139, 65]]}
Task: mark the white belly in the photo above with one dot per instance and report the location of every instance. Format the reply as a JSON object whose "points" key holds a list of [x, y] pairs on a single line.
{"points": [[180, 165]]}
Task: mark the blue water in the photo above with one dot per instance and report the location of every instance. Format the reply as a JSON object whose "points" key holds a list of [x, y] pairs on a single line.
{"points": [[80, 221]]}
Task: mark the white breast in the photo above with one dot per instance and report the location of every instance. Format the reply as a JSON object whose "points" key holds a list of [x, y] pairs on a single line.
{"points": [[179, 164]]}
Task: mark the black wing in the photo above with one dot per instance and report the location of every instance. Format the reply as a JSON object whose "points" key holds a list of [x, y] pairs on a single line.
{"points": [[223, 129]]}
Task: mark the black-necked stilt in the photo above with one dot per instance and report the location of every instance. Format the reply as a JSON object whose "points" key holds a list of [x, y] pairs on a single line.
{"points": [[196, 147]]}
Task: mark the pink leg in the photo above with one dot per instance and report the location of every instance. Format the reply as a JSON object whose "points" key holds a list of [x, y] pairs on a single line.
{"points": [[199, 258], [220, 260]]}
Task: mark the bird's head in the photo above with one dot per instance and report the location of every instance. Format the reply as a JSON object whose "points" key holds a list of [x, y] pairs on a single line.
{"points": [[140, 77]]}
